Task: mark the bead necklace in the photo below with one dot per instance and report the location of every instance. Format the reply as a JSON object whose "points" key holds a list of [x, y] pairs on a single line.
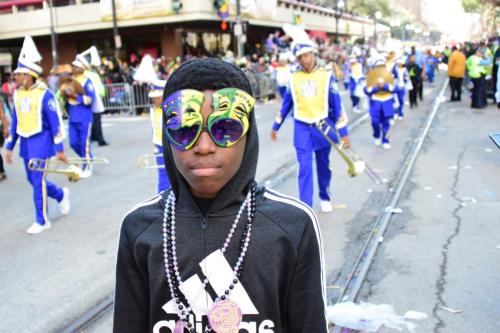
{"points": [[222, 304]]}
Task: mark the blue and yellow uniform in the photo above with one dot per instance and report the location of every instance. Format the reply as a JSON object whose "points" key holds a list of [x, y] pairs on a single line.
{"points": [[355, 83], [431, 63], [381, 110], [401, 79], [37, 122], [155, 114], [313, 96], [80, 119]]}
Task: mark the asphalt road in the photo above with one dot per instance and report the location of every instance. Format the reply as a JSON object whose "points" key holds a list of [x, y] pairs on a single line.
{"points": [[442, 255], [50, 279]]}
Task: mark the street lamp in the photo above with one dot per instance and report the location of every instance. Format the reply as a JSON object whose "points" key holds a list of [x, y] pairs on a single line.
{"points": [[339, 9]]}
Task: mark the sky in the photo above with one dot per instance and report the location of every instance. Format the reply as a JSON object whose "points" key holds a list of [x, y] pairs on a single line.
{"points": [[449, 17]]}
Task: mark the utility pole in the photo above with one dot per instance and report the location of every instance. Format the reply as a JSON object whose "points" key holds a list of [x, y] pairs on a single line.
{"points": [[117, 38], [238, 29], [53, 35]]}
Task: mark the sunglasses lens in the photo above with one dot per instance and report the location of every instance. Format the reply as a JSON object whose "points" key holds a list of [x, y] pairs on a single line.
{"points": [[183, 137], [226, 132]]}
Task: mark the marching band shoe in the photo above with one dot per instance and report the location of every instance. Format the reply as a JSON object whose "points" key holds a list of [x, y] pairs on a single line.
{"points": [[356, 109], [391, 121], [37, 228], [326, 206], [86, 173], [64, 204], [386, 145], [378, 142], [396, 117]]}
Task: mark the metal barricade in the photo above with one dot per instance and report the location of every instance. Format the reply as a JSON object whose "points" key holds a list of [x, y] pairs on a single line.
{"points": [[126, 98], [266, 85], [133, 99]]}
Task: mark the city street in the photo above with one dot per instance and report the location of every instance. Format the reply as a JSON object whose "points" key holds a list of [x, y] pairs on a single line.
{"points": [[442, 251]]}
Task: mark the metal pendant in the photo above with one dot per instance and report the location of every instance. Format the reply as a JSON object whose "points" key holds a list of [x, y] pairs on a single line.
{"points": [[179, 327], [225, 317]]}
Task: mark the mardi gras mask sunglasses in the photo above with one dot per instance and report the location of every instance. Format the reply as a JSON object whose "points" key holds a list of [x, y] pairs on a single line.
{"points": [[226, 125]]}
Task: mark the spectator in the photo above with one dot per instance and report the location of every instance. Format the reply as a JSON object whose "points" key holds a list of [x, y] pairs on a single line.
{"points": [[415, 73], [456, 73]]}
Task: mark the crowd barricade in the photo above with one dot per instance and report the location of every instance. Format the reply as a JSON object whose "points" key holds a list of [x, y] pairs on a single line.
{"points": [[126, 98], [133, 99], [263, 84]]}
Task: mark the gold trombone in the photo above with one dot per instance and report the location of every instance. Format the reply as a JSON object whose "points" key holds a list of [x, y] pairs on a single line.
{"points": [[55, 166], [355, 165], [83, 160], [71, 169], [148, 161]]}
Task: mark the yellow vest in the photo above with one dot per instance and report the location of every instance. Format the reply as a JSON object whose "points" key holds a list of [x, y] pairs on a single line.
{"points": [[29, 103], [310, 95], [156, 121], [356, 71]]}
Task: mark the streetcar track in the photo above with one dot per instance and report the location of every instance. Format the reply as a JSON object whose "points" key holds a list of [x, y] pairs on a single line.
{"points": [[358, 274]]}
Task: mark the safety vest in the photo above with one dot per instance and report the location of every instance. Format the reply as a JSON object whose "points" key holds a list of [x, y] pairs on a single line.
{"points": [[488, 70], [155, 115], [475, 70], [310, 95], [29, 104]]}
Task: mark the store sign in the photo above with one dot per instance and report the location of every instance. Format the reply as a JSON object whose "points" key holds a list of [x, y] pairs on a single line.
{"points": [[132, 9], [5, 59]]}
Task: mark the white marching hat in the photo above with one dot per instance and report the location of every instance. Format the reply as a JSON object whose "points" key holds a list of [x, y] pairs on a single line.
{"points": [[29, 59], [87, 58], [146, 73], [301, 42], [379, 61]]}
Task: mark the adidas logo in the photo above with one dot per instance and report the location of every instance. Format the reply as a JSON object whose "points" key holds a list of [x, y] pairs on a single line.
{"points": [[219, 274]]}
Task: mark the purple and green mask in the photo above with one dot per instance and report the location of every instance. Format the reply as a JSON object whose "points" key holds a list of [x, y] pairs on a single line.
{"points": [[226, 125]]}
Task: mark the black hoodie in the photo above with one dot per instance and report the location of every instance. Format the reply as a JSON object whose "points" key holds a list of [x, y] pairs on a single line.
{"points": [[281, 287]]}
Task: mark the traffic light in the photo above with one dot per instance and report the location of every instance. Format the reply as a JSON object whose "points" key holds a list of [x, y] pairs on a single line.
{"points": [[176, 6]]}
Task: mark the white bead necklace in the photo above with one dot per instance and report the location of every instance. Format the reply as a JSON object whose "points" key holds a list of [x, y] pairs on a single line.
{"points": [[170, 256]]}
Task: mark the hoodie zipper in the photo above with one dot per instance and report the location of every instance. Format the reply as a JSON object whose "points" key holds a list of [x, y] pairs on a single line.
{"points": [[204, 227], [204, 223]]}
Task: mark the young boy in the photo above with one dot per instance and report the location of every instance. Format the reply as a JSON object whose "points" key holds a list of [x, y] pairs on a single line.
{"points": [[217, 253]]}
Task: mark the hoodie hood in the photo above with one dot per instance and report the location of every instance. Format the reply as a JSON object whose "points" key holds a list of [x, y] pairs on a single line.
{"points": [[212, 74]]}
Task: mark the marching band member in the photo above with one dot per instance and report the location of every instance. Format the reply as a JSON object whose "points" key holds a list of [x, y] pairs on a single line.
{"points": [[145, 73], [313, 95], [37, 121], [282, 73], [355, 83], [79, 106], [401, 82], [90, 61], [155, 113], [381, 103]]}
